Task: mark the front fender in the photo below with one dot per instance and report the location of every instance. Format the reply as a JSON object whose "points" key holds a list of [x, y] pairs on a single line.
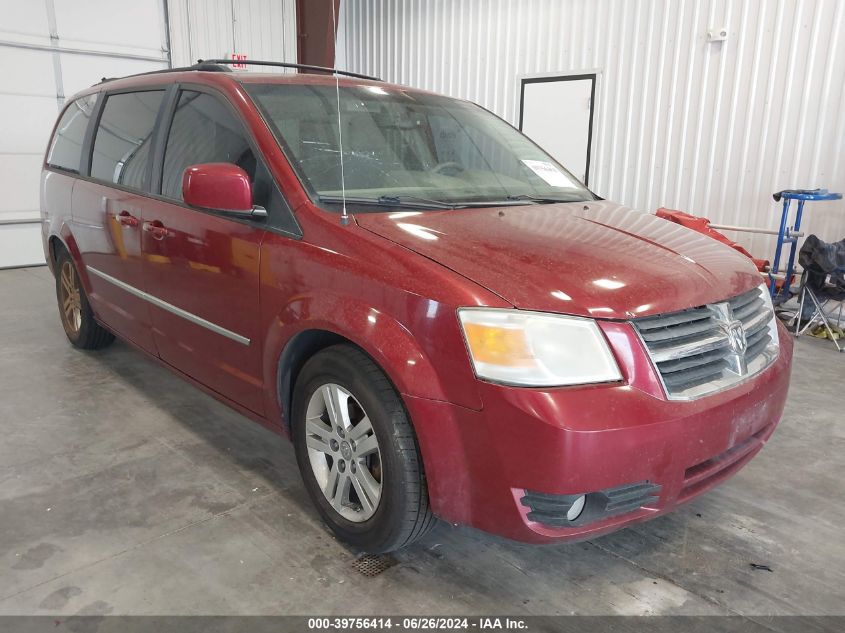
{"points": [[408, 360]]}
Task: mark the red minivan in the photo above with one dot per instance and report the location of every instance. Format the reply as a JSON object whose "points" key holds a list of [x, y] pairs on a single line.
{"points": [[441, 317]]}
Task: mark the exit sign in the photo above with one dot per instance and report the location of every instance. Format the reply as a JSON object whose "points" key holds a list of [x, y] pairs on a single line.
{"points": [[239, 57]]}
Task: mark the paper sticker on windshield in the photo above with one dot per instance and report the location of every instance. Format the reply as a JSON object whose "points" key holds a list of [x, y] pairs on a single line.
{"points": [[548, 172]]}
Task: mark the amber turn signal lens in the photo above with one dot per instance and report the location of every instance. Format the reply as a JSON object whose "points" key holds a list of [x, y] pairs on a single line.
{"points": [[498, 345], [536, 349]]}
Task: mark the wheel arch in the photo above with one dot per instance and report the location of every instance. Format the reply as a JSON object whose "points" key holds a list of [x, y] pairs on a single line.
{"points": [[310, 341], [299, 349], [305, 327], [63, 240], [54, 244]]}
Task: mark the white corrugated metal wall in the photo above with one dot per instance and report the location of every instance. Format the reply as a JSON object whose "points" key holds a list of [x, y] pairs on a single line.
{"points": [[710, 128], [52, 49], [205, 29]]}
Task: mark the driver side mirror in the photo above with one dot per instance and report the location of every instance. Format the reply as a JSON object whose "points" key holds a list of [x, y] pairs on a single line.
{"points": [[222, 187]]}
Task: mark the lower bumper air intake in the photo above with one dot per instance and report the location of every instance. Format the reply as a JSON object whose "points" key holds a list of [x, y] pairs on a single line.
{"points": [[580, 509]]}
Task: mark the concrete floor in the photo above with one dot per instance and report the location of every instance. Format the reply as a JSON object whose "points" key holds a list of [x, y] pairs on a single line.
{"points": [[123, 490]]}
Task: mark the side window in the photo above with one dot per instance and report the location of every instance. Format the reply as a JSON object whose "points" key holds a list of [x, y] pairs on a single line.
{"points": [[66, 148], [203, 131], [122, 144]]}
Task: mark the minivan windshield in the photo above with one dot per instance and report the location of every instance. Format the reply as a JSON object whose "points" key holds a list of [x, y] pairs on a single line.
{"points": [[407, 148]]}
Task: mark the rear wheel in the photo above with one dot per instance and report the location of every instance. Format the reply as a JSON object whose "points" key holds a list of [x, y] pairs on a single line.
{"points": [[357, 452], [77, 317]]}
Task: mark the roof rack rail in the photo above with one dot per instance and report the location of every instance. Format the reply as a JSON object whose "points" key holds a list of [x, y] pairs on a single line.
{"points": [[258, 62], [222, 65], [199, 66]]}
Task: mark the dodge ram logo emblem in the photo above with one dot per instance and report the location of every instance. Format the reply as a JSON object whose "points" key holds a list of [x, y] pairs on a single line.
{"points": [[736, 337]]}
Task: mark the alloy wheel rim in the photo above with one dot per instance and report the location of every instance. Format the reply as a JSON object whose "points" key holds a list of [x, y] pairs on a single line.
{"points": [[344, 452], [71, 298]]}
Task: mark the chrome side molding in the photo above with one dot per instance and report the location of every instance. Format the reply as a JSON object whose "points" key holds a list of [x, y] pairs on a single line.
{"points": [[164, 305]]}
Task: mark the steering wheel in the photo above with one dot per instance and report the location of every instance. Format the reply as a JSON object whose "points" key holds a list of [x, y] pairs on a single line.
{"points": [[448, 168]]}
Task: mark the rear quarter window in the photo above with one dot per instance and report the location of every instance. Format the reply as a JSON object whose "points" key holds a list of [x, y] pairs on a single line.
{"points": [[66, 147], [122, 146]]}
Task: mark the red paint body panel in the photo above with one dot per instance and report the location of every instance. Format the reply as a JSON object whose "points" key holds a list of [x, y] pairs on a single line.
{"points": [[206, 265], [557, 252], [378, 285], [115, 249], [568, 440], [400, 310]]}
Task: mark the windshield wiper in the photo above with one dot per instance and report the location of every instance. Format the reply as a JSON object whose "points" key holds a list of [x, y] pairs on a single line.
{"points": [[415, 202], [404, 200], [411, 202], [543, 199]]}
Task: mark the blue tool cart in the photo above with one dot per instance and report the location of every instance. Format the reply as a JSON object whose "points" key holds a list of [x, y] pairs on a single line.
{"points": [[789, 235]]}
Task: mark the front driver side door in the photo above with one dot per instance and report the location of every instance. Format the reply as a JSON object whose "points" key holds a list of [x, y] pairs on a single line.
{"points": [[201, 267]]}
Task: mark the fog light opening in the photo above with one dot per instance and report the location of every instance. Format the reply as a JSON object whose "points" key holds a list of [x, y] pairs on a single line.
{"points": [[577, 508]]}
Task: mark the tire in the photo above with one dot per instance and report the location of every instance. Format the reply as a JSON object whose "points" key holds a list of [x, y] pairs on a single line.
{"points": [[401, 514], [75, 312]]}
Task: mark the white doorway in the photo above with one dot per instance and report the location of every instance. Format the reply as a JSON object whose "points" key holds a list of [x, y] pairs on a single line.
{"points": [[556, 112]]}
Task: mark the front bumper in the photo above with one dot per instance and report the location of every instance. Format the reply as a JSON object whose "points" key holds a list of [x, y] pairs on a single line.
{"points": [[569, 441]]}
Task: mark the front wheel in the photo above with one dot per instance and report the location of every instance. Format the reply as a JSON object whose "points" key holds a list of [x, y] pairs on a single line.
{"points": [[357, 452]]}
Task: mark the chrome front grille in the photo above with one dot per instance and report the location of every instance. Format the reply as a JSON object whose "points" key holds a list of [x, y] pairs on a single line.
{"points": [[709, 348]]}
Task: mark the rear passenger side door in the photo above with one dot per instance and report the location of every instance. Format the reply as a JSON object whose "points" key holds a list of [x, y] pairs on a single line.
{"points": [[106, 209], [203, 267]]}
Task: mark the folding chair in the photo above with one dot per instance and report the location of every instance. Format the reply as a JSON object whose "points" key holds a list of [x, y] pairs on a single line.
{"points": [[822, 287]]}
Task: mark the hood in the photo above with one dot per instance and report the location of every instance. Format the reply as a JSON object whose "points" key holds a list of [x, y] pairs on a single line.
{"points": [[595, 259]]}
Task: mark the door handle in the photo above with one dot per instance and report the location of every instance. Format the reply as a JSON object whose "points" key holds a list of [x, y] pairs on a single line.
{"points": [[156, 229], [127, 219]]}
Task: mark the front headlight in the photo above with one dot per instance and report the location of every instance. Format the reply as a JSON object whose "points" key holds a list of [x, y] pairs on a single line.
{"points": [[534, 349]]}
